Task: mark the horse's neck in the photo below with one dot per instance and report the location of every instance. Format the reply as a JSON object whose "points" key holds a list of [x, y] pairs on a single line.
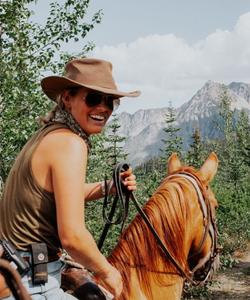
{"points": [[124, 253], [171, 292]]}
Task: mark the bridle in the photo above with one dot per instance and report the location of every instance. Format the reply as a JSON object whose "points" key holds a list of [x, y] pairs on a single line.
{"points": [[203, 270], [205, 267]]}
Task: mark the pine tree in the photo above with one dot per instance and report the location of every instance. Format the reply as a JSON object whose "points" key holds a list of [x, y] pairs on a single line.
{"points": [[195, 154], [172, 142], [243, 134], [232, 164], [114, 141], [97, 160]]}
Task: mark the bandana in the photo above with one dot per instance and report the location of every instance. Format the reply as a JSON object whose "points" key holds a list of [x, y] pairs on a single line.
{"points": [[64, 117]]}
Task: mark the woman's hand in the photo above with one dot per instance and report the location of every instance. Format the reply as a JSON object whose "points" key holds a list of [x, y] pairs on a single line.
{"points": [[111, 280], [129, 179]]}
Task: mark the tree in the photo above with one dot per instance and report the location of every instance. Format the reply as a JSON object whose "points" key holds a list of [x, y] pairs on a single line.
{"points": [[173, 142], [97, 162], [243, 130], [195, 154], [27, 51], [232, 168], [114, 148]]}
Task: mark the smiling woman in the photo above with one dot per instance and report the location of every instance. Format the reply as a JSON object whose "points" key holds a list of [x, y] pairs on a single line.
{"points": [[43, 201]]}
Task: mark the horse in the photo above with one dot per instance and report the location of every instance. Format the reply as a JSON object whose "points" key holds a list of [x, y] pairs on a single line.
{"points": [[182, 211], [154, 266]]}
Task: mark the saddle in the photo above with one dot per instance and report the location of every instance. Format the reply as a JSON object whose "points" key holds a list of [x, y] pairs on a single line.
{"points": [[4, 290], [79, 283], [10, 281]]}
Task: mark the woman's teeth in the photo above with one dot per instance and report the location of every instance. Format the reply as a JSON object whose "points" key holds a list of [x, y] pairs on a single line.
{"points": [[97, 117]]}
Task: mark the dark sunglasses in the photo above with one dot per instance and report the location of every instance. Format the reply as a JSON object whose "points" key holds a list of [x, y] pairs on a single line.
{"points": [[93, 99]]}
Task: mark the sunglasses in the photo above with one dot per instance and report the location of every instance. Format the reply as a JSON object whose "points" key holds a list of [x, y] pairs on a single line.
{"points": [[93, 99]]}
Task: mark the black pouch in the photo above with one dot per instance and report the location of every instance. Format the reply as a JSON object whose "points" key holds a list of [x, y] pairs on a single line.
{"points": [[39, 263]]}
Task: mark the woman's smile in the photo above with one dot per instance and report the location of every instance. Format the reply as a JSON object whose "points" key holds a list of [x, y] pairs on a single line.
{"points": [[99, 118]]}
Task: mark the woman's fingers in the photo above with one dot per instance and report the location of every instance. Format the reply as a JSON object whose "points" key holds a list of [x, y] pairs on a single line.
{"points": [[129, 179]]}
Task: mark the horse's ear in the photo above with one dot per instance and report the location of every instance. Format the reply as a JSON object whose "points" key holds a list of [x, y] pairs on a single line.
{"points": [[174, 164], [209, 168]]}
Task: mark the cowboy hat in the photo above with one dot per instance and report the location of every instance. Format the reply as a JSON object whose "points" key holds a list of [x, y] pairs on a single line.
{"points": [[91, 73]]}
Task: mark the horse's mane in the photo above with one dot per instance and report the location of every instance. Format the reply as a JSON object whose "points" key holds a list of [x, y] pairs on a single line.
{"points": [[169, 212]]}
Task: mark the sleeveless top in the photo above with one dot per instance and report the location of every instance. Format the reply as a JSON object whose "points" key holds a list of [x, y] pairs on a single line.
{"points": [[27, 211]]}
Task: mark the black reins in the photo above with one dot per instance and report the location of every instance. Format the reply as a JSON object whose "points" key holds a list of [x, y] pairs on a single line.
{"points": [[123, 197]]}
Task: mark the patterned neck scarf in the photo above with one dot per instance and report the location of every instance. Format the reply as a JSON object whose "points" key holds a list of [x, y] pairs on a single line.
{"points": [[63, 116]]}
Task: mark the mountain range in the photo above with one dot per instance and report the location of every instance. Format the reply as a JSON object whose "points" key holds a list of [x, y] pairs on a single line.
{"points": [[144, 129]]}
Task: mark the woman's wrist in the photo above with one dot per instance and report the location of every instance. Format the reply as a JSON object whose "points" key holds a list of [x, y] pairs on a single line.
{"points": [[106, 185], [104, 272], [103, 188]]}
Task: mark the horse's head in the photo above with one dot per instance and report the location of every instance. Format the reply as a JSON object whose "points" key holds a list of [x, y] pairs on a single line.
{"points": [[203, 251]]}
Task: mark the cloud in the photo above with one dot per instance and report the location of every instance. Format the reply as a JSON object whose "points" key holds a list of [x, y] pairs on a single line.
{"points": [[166, 68]]}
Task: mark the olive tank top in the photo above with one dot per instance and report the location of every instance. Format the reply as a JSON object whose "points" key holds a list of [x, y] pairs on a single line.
{"points": [[27, 211]]}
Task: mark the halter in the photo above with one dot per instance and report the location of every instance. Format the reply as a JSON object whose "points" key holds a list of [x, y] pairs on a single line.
{"points": [[194, 276], [208, 262]]}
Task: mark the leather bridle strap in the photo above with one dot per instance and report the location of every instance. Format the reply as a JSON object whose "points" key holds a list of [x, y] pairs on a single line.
{"points": [[123, 197], [209, 226], [204, 206], [159, 241]]}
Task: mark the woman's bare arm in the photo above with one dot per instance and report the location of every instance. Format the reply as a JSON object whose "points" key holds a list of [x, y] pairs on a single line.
{"points": [[68, 169]]}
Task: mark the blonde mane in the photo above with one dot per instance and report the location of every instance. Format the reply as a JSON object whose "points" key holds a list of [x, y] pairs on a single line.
{"points": [[170, 213]]}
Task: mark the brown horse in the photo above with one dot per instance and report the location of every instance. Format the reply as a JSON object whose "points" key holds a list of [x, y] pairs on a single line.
{"points": [[182, 211]]}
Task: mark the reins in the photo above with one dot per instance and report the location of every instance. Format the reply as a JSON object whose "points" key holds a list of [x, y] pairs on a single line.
{"points": [[122, 196]]}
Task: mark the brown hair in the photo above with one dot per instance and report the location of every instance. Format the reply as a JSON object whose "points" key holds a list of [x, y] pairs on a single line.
{"points": [[59, 104]]}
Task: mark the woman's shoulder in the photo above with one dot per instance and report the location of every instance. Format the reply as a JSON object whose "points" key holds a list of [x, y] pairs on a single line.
{"points": [[63, 139]]}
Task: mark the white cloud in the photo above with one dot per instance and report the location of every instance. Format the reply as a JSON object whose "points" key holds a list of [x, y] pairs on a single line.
{"points": [[165, 67]]}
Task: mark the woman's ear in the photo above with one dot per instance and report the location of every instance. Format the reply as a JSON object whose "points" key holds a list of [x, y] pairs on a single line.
{"points": [[66, 99]]}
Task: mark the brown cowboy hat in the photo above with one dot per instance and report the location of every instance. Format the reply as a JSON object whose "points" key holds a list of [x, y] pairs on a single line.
{"points": [[94, 74]]}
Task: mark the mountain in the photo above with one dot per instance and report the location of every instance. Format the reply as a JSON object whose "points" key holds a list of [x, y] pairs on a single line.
{"points": [[143, 129]]}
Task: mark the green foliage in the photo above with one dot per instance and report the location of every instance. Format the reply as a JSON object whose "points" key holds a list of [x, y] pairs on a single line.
{"points": [[233, 215], [195, 155], [27, 51], [243, 136], [114, 147], [98, 166], [172, 142], [232, 163], [196, 292]]}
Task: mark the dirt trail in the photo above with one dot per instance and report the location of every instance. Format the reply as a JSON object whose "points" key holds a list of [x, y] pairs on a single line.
{"points": [[233, 283]]}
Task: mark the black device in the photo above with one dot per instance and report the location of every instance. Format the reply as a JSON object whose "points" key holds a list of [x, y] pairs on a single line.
{"points": [[15, 259]]}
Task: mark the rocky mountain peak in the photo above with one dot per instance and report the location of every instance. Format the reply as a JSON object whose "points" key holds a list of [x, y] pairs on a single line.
{"points": [[241, 89], [144, 128]]}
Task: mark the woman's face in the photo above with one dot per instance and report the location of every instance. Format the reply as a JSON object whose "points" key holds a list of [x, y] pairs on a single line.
{"points": [[92, 119]]}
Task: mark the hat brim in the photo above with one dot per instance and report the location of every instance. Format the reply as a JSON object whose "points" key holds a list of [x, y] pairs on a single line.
{"points": [[54, 85]]}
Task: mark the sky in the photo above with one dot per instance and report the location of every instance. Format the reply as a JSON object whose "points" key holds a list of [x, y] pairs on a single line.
{"points": [[168, 49]]}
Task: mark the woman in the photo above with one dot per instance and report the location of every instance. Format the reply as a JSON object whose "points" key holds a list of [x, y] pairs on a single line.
{"points": [[45, 192]]}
